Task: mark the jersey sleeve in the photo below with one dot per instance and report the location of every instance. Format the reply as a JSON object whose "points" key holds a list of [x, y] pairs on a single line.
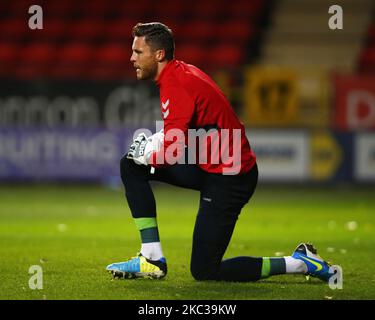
{"points": [[177, 109]]}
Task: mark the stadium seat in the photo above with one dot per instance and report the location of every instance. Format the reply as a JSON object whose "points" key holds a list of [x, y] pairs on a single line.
{"points": [[73, 60], [87, 29], [34, 60], [171, 9], [198, 30], [19, 8], [38, 53], [143, 9], [238, 31], [14, 29], [208, 9], [120, 30], [191, 54], [113, 54], [55, 30], [226, 56], [98, 8], [75, 53], [60, 9], [100, 30], [245, 8], [9, 54], [111, 61]]}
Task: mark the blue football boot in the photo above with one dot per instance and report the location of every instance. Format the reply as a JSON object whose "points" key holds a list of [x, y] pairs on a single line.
{"points": [[316, 266]]}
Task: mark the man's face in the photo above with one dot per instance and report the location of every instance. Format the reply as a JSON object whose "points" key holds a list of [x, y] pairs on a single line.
{"points": [[144, 59]]}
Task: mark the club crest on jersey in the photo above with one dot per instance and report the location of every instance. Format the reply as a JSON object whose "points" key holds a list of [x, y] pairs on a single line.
{"points": [[165, 110]]}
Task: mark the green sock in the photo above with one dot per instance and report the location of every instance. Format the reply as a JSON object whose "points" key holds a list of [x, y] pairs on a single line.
{"points": [[272, 266], [148, 229]]}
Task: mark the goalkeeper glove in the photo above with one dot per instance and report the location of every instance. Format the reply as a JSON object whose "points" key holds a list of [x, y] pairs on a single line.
{"points": [[142, 147], [137, 150]]}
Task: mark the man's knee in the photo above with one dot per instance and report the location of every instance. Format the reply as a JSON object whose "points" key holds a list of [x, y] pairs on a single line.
{"points": [[127, 168], [200, 272], [131, 171]]}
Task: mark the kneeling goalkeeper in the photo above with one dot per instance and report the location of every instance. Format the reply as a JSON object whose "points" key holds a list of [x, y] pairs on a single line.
{"points": [[191, 100]]}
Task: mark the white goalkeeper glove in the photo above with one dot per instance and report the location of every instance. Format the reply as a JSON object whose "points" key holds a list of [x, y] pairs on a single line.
{"points": [[156, 140], [142, 147]]}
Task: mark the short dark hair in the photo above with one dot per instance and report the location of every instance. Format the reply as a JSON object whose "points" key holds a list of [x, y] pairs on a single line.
{"points": [[157, 35]]}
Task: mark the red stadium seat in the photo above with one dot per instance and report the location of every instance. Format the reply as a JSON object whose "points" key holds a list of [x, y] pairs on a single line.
{"points": [[198, 31], [34, 60], [87, 29], [9, 53], [108, 73], [98, 8], [62, 9], [75, 53], [139, 9], [111, 61], [19, 8], [227, 56], [199, 28], [113, 54], [14, 29], [209, 9], [235, 31], [191, 54], [171, 9], [244, 8], [38, 53], [72, 61], [120, 30], [54, 30]]}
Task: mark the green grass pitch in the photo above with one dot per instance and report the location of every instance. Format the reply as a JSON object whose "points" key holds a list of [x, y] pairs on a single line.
{"points": [[73, 232]]}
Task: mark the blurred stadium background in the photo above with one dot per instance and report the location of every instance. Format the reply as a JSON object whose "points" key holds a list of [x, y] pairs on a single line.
{"points": [[69, 101], [69, 104]]}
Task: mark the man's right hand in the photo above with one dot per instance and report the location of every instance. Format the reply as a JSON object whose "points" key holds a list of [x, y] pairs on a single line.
{"points": [[137, 150]]}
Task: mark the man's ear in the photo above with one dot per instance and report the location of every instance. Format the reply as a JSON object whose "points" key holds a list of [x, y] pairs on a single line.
{"points": [[160, 55]]}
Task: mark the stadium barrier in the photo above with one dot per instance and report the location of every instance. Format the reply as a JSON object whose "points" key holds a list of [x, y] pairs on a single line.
{"points": [[78, 130], [78, 104], [317, 156], [94, 154], [77, 155]]}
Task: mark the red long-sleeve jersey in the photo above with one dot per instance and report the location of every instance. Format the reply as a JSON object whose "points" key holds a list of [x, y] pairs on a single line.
{"points": [[190, 99]]}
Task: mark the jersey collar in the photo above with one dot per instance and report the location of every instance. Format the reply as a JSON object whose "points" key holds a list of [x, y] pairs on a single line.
{"points": [[165, 71]]}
